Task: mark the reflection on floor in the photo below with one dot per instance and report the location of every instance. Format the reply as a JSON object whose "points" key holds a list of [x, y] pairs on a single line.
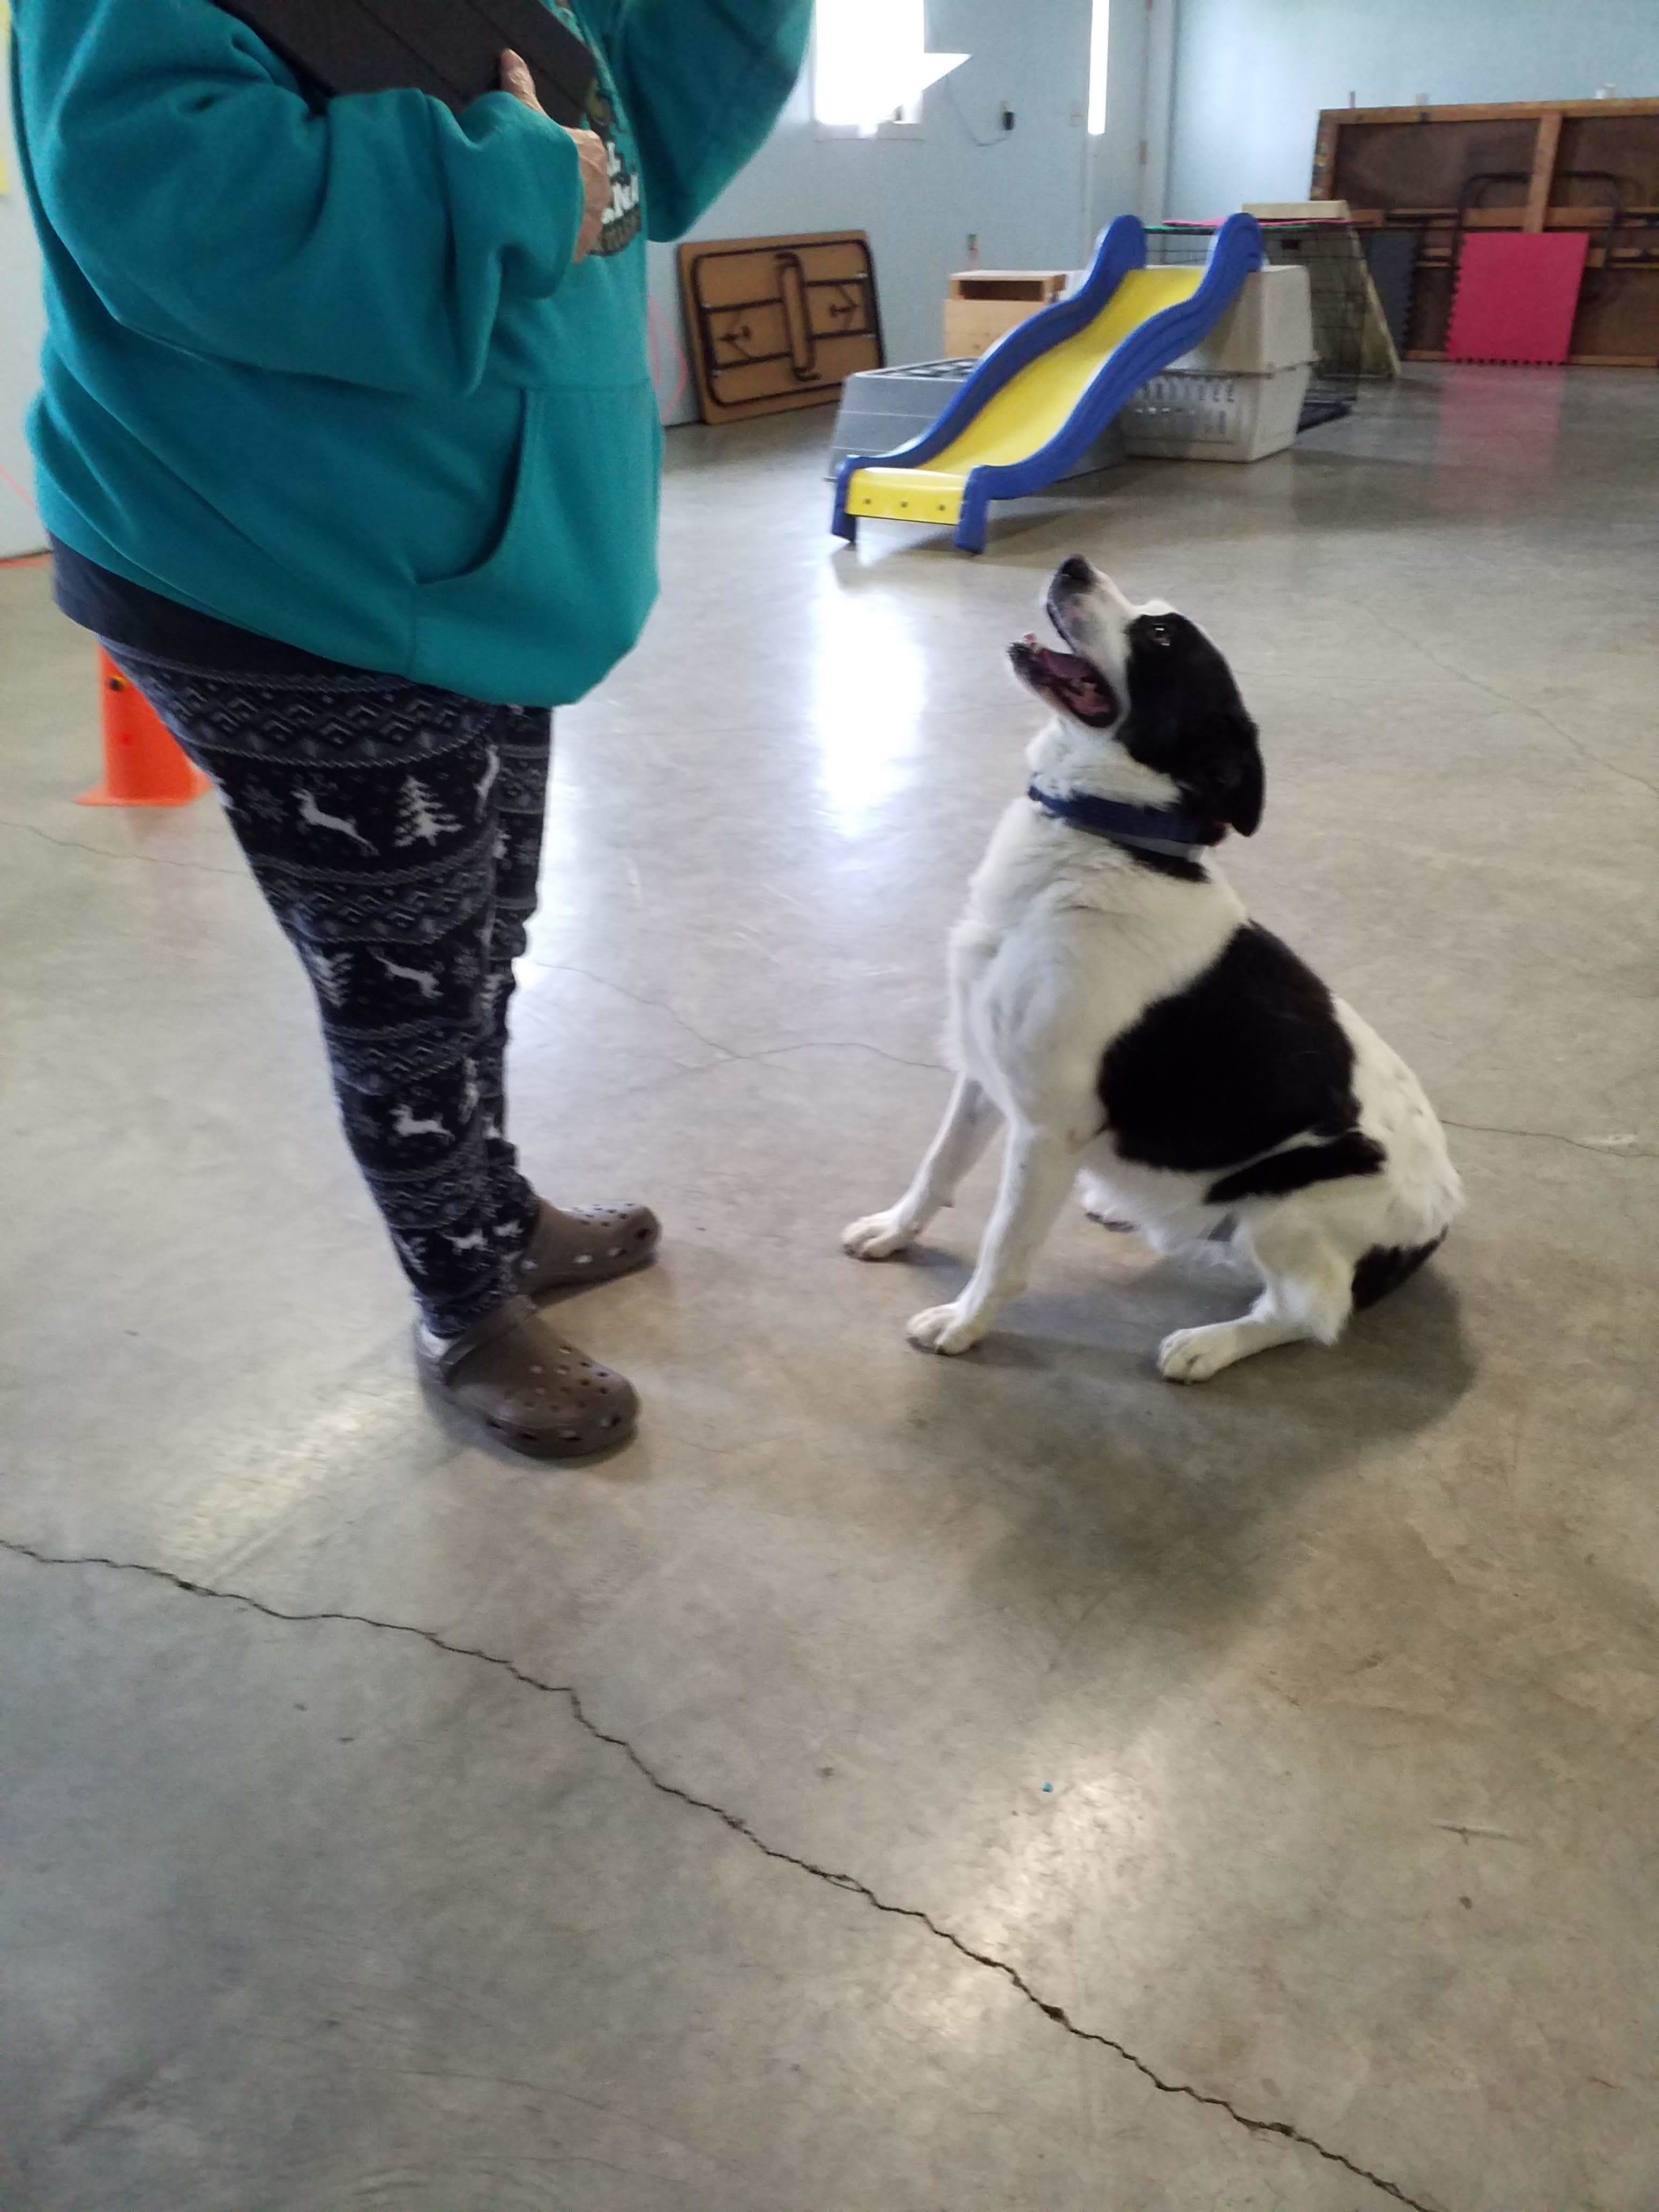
{"points": [[1294, 1736]]}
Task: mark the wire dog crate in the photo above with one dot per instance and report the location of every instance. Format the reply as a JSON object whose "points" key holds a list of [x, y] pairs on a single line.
{"points": [[1331, 254]]}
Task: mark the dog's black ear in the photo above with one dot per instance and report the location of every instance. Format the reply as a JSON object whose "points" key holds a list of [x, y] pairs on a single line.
{"points": [[1225, 775], [1187, 720]]}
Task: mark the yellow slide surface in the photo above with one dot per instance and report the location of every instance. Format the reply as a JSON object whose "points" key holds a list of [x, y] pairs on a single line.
{"points": [[1026, 413]]}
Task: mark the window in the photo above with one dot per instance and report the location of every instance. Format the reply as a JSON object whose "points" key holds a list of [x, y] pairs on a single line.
{"points": [[871, 67], [1099, 42]]}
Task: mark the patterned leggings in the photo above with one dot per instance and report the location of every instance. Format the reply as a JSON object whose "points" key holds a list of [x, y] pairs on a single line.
{"points": [[396, 832]]}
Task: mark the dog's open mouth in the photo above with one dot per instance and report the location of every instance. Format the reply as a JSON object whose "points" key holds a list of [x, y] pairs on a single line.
{"points": [[1075, 686]]}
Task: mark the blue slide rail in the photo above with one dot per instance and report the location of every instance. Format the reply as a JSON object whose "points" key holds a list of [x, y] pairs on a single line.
{"points": [[1235, 254]]}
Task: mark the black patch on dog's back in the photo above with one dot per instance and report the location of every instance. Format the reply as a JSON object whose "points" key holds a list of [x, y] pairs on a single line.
{"points": [[1353, 1153], [1385, 1267], [1248, 1056]]}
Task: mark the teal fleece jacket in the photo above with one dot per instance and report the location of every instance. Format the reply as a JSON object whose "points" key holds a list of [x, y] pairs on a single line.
{"points": [[328, 372]]}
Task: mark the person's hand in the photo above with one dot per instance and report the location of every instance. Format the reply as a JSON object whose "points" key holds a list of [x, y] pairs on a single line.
{"points": [[595, 161]]}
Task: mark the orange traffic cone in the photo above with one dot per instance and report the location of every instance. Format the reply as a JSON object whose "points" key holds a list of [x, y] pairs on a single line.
{"points": [[143, 765]]}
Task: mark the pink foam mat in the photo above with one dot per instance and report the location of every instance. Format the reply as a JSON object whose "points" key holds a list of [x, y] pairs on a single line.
{"points": [[1517, 292]]}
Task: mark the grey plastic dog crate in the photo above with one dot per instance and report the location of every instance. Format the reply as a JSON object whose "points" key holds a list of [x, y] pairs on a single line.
{"points": [[882, 408]]}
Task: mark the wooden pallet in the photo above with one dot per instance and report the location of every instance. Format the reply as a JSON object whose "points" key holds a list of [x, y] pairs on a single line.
{"points": [[1550, 164], [778, 323]]}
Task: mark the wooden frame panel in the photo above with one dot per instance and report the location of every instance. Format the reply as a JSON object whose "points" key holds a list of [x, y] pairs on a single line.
{"points": [[1589, 165]]}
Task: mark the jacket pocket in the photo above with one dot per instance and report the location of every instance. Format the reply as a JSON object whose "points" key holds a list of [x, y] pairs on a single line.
{"points": [[564, 591]]}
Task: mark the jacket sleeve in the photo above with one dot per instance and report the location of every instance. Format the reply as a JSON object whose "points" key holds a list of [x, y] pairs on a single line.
{"points": [[209, 207], [703, 81]]}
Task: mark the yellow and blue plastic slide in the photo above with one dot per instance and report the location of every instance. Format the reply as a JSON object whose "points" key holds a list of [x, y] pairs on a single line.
{"points": [[1029, 412]]}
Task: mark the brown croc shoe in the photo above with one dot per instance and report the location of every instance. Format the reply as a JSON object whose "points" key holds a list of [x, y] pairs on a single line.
{"points": [[530, 1388], [587, 1244]]}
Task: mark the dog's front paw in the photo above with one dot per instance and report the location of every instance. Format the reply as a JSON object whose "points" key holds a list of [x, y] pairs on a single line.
{"points": [[1193, 1355], [944, 1329], [878, 1236]]}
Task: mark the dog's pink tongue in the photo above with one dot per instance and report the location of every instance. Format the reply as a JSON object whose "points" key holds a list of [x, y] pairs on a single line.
{"points": [[1073, 681]]}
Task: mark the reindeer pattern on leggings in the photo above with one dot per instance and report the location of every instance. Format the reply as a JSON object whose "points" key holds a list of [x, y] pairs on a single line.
{"points": [[396, 833]]}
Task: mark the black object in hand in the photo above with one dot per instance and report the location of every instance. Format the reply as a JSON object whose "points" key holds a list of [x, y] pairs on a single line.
{"points": [[451, 48]]}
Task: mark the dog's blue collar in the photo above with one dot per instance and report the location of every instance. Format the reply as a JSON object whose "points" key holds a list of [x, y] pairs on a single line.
{"points": [[1145, 829]]}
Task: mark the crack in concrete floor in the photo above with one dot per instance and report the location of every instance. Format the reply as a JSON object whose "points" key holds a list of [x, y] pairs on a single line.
{"points": [[1609, 1148], [739, 1827], [1518, 706], [1615, 1148], [109, 853]]}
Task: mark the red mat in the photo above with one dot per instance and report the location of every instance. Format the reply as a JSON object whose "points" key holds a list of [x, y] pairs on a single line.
{"points": [[1517, 292]]}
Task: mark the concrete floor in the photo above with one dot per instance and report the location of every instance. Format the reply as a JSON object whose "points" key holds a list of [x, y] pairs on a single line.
{"points": [[389, 1823]]}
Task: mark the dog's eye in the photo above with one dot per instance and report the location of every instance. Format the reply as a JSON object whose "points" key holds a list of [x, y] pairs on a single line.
{"points": [[1157, 633]]}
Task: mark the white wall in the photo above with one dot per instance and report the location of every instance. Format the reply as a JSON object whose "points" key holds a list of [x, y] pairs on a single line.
{"points": [[1251, 75], [20, 346], [1033, 195], [1225, 94], [1022, 193], [1130, 166]]}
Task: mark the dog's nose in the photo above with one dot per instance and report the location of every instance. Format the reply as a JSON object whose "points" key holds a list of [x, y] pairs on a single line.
{"points": [[1078, 572]]}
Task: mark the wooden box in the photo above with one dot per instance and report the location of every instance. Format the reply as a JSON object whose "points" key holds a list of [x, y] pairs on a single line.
{"points": [[983, 305]]}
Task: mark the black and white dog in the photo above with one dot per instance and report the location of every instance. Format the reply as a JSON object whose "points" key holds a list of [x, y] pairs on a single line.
{"points": [[1113, 1004]]}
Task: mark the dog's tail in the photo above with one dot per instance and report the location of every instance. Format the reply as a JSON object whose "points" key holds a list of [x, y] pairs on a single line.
{"points": [[1386, 1266]]}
